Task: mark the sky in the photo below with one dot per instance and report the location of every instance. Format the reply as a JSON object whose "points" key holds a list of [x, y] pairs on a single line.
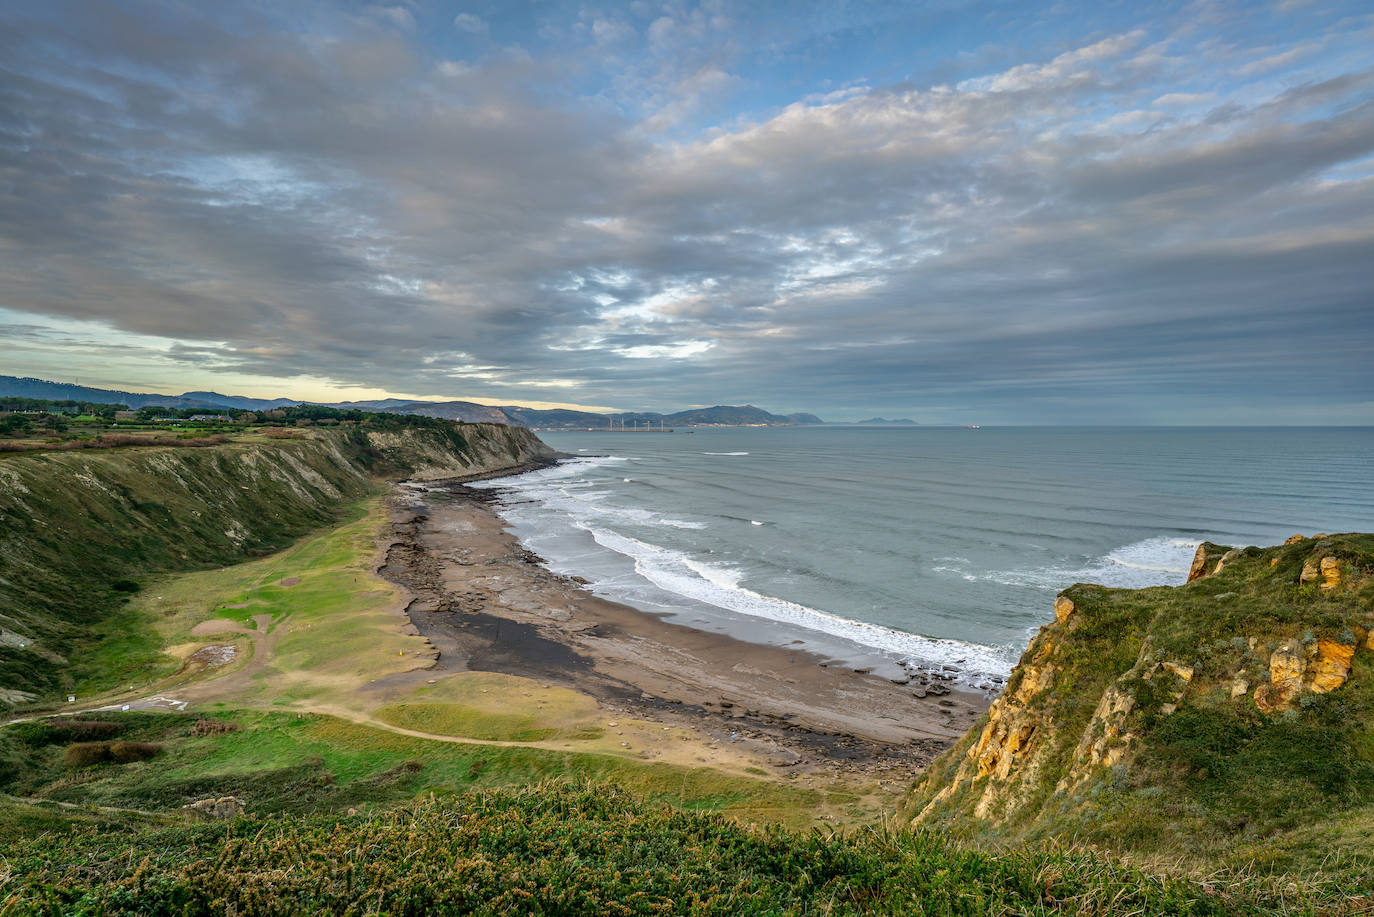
{"points": [[957, 212]]}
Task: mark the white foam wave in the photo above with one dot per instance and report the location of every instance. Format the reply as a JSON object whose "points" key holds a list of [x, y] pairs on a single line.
{"points": [[725, 453], [1159, 561], [675, 572]]}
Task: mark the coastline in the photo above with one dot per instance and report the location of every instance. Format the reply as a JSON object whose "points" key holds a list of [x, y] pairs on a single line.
{"points": [[488, 604]]}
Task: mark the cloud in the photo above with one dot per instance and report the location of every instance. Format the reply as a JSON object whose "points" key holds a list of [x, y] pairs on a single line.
{"points": [[471, 23], [398, 16], [1060, 235]]}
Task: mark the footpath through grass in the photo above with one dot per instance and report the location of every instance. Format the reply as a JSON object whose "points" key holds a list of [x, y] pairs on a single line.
{"points": [[576, 849], [302, 764]]}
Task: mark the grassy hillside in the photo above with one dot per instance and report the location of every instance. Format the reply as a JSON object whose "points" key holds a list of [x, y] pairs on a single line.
{"points": [[1232, 717], [80, 530], [569, 849]]}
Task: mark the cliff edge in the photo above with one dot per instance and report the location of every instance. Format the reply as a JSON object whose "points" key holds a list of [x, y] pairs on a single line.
{"points": [[80, 529], [1232, 716]]}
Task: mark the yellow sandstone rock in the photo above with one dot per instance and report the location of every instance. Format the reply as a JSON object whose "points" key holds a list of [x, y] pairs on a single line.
{"points": [[1200, 561], [1310, 571], [1331, 572], [1036, 679], [1294, 539], [1182, 671], [1286, 667], [1332, 666], [1063, 607], [1226, 559]]}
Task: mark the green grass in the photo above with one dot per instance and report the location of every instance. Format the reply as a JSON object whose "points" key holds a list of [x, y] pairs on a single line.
{"points": [[304, 763], [76, 528], [1218, 778], [462, 720], [575, 848]]}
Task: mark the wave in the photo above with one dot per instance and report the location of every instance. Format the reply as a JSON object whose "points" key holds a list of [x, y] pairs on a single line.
{"points": [[1159, 561], [563, 489], [725, 453], [718, 585]]}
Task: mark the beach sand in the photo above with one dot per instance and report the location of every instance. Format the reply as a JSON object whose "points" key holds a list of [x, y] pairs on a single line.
{"points": [[487, 604]]}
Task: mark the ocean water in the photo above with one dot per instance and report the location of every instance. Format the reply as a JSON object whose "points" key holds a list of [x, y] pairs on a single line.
{"points": [[927, 548]]}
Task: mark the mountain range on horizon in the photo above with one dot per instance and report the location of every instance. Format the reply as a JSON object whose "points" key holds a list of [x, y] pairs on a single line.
{"points": [[471, 412]]}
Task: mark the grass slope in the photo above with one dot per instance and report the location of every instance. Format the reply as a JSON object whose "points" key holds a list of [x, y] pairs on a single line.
{"points": [[1288, 790], [301, 764], [80, 531], [575, 849]]}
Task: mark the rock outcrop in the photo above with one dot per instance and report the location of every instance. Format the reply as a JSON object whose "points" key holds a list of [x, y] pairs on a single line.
{"points": [[216, 809], [1124, 694]]}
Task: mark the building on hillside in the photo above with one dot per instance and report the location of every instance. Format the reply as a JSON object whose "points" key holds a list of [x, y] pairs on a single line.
{"points": [[224, 418]]}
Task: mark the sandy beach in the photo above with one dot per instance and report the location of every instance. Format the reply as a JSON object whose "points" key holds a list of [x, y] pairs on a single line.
{"points": [[487, 604]]}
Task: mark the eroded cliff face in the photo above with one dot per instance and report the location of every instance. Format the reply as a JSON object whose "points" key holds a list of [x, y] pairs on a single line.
{"points": [[1196, 691], [74, 524], [466, 449]]}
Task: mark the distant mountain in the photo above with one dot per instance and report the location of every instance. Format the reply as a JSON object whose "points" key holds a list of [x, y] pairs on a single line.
{"points": [[385, 404], [883, 420], [727, 415], [720, 415], [558, 417], [512, 415], [14, 386], [466, 411], [238, 401]]}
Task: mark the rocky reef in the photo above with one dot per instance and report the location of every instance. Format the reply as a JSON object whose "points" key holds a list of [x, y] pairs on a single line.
{"points": [[1238, 703]]}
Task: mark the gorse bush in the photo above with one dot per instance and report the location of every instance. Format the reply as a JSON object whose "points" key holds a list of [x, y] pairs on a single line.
{"points": [[86, 754], [89, 754], [211, 727], [83, 730], [561, 849], [126, 752]]}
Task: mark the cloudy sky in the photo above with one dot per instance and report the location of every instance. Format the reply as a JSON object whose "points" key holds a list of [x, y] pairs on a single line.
{"points": [[1002, 212]]}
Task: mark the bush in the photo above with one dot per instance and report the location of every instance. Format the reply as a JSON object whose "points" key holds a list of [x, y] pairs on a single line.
{"points": [[127, 752], [125, 585], [83, 730], [86, 754], [34, 733], [205, 727]]}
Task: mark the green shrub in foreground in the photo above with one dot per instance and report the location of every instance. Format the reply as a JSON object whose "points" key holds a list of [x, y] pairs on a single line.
{"points": [[565, 850]]}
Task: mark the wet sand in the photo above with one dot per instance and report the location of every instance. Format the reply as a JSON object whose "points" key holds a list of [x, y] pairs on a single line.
{"points": [[487, 604]]}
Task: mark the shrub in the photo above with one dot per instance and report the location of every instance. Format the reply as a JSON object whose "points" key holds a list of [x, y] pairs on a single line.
{"points": [[83, 730], [125, 585], [204, 727], [126, 752], [86, 754], [34, 733]]}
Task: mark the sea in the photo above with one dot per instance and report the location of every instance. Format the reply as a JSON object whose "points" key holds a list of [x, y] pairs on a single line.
{"points": [[918, 549]]}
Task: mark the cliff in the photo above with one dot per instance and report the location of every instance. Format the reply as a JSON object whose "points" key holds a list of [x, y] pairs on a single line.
{"points": [[80, 529], [1231, 715]]}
